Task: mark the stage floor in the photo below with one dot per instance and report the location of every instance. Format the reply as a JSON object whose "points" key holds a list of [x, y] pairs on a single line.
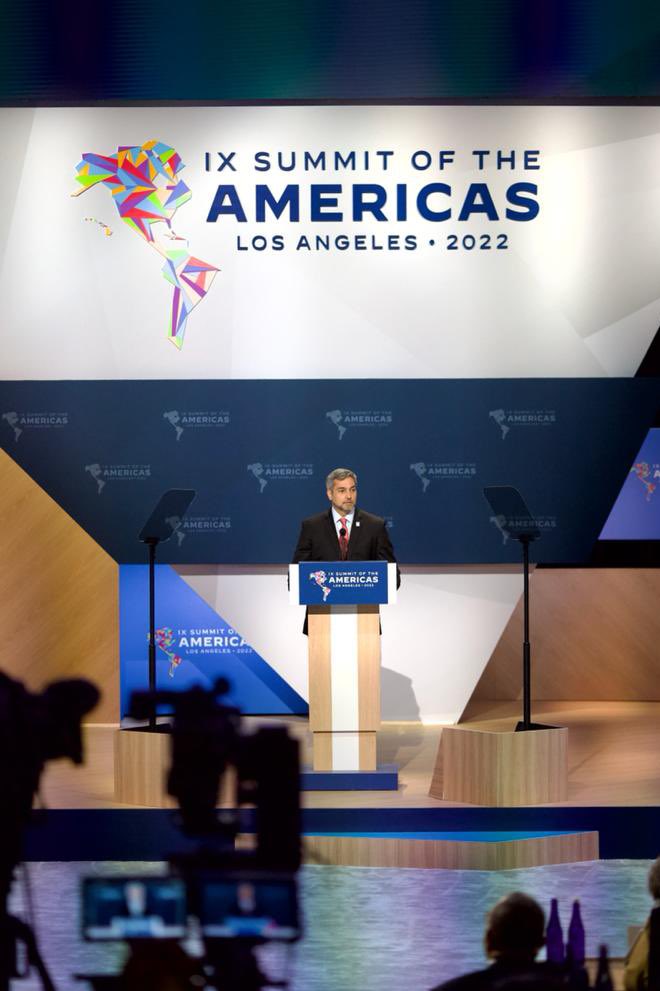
{"points": [[614, 758]]}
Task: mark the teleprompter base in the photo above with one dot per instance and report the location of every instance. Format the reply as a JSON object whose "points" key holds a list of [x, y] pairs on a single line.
{"points": [[502, 768], [142, 760]]}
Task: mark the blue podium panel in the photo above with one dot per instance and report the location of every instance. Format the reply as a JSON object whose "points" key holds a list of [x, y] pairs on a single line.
{"points": [[342, 583]]}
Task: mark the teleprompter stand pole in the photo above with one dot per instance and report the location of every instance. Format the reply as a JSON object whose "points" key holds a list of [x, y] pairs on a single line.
{"points": [[527, 660], [497, 765], [514, 519], [165, 519], [152, 544]]}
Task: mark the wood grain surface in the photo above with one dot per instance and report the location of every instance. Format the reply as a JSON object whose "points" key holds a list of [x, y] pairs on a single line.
{"points": [[501, 767], [378, 851], [59, 595], [594, 635]]}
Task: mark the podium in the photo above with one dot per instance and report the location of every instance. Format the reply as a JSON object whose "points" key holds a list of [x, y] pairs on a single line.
{"points": [[343, 621]]}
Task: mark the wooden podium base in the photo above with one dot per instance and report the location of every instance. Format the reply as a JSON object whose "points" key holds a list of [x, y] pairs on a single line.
{"points": [[483, 767], [344, 686], [344, 751]]}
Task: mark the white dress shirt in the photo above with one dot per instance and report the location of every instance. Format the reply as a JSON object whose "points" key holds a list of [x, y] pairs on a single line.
{"points": [[349, 521]]}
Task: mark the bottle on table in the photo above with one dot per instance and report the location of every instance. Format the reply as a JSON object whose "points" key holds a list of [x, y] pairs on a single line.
{"points": [[576, 943], [554, 936], [603, 976]]}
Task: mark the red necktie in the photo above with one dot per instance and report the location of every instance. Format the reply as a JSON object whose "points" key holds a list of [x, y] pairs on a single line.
{"points": [[343, 538]]}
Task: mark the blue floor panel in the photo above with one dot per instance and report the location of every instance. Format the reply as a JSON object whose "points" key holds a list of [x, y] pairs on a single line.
{"points": [[152, 834]]}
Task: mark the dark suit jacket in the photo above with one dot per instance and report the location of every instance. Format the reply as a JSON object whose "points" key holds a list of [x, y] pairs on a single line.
{"points": [[506, 975], [368, 541]]}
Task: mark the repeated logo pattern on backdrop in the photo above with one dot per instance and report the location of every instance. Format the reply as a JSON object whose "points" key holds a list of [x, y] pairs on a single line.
{"points": [[428, 472], [187, 420], [344, 420], [508, 419], [266, 474], [256, 474], [20, 423]]}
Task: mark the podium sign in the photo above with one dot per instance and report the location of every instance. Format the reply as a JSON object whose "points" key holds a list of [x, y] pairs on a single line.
{"points": [[342, 583], [343, 599]]}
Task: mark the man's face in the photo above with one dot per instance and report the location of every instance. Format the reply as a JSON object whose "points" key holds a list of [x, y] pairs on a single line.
{"points": [[343, 494], [136, 897]]}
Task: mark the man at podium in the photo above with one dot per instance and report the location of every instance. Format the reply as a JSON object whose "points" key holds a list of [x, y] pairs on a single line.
{"points": [[344, 641], [343, 532]]}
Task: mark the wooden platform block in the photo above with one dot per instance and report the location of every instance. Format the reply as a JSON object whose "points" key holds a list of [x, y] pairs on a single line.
{"points": [[492, 855], [501, 768], [344, 751], [142, 760]]}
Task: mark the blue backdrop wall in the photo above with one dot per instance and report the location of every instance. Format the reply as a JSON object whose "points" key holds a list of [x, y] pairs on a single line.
{"points": [[257, 454]]}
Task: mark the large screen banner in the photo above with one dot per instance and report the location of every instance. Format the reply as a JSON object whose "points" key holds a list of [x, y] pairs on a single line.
{"points": [[236, 300], [329, 242]]}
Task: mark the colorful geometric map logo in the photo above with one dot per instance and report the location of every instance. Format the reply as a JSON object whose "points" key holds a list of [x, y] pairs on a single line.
{"points": [[147, 192], [164, 638], [320, 578], [647, 474]]}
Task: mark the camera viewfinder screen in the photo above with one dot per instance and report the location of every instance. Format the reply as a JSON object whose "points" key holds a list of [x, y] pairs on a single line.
{"points": [[253, 908], [134, 908]]}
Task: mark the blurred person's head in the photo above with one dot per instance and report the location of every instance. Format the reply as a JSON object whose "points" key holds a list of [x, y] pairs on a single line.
{"points": [[515, 928], [654, 880]]}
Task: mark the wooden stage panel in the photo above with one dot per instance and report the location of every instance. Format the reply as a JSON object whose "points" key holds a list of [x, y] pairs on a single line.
{"points": [[59, 595], [492, 855], [595, 634]]}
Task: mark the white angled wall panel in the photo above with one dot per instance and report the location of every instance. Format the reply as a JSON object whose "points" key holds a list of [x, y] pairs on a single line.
{"points": [[436, 640]]}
